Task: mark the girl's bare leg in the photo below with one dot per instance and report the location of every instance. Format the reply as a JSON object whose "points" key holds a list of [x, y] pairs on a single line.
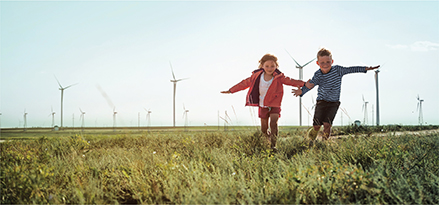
{"points": [[264, 129], [274, 129]]}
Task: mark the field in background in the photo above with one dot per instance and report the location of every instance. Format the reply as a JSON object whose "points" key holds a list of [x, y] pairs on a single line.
{"points": [[206, 165], [30, 133]]}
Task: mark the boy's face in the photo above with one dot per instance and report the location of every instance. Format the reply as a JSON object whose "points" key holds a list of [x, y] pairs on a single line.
{"points": [[325, 63], [269, 67]]}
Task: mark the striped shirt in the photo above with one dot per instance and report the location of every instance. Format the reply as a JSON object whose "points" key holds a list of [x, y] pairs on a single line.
{"points": [[330, 83]]}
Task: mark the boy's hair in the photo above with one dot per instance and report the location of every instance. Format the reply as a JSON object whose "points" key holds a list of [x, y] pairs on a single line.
{"points": [[268, 57], [324, 52]]}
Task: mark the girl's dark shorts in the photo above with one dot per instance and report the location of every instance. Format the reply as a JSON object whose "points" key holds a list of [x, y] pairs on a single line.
{"points": [[264, 112], [325, 112]]}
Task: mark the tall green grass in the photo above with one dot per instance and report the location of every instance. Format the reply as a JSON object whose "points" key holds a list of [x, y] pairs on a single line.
{"points": [[220, 167]]}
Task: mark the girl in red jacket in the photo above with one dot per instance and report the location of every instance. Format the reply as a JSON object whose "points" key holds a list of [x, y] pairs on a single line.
{"points": [[266, 91]]}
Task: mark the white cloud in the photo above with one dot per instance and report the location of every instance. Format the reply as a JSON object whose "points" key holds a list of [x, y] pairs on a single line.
{"points": [[399, 46], [421, 46], [424, 46]]}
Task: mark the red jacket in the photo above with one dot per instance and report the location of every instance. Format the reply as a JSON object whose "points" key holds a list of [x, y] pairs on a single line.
{"points": [[275, 92]]}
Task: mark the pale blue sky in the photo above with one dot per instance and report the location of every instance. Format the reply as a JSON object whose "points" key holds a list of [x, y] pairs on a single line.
{"points": [[125, 48]]}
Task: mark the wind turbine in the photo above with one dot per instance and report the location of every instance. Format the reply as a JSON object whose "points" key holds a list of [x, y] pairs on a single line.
{"points": [[185, 116], [345, 112], [300, 67], [226, 123], [82, 116], [312, 107], [53, 116], [25, 121], [175, 88], [62, 94], [420, 118], [114, 119], [365, 111], [148, 116]]}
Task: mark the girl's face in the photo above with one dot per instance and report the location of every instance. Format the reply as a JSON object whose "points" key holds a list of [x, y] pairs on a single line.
{"points": [[269, 67]]}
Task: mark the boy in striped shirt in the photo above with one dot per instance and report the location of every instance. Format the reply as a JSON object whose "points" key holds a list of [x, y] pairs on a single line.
{"points": [[328, 78]]}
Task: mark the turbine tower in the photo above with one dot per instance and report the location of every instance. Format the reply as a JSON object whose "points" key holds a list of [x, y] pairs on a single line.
{"points": [[377, 98], [114, 119], [365, 111], [62, 94], [25, 121], [148, 117], [82, 117], [420, 118], [175, 88], [185, 116], [300, 67], [53, 116]]}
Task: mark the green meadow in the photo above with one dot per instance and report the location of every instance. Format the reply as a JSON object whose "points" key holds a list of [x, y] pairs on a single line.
{"points": [[211, 166]]}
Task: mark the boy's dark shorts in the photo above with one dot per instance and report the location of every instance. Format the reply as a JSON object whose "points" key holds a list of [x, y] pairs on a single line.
{"points": [[264, 112], [325, 112]]}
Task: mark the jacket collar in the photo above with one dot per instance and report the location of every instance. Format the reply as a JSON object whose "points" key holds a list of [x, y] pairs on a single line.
{"points": [[260, 70]]}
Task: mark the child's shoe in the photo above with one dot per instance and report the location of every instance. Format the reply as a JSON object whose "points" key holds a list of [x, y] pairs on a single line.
{"points": [[312, 133], [273, 139], [325, 136]]}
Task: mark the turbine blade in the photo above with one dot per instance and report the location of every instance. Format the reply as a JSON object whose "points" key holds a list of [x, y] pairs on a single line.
{"points": [[58, 82], [293, 58], [224, 119], [107, 98], [182, 79], [172, 70], [308, 62], [71, 85]]}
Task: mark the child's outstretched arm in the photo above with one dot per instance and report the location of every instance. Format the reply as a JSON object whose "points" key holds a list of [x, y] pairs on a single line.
{"points": [[297, 92], [309, 85], [372, 68], [244, 84], [292, 82]]}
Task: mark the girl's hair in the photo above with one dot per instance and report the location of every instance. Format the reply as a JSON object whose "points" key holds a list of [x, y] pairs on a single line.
{"points": [[324, 52], [268, 57]]}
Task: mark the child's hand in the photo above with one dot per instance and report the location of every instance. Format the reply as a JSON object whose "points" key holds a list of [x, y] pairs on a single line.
{"points": [[309, 85], [226, 92], [372, 68], [297, 92]]}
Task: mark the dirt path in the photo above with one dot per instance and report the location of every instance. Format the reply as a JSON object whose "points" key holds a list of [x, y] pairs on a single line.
{"points": [[397, 133]]}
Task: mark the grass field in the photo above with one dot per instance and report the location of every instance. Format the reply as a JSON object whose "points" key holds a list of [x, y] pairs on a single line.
{"points": [[206, 165]]}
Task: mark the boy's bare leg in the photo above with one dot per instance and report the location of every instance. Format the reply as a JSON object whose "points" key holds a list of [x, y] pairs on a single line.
{"points": [[264, 129], [312, 133], [326, 130], [274, 129], [317, 127]]}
